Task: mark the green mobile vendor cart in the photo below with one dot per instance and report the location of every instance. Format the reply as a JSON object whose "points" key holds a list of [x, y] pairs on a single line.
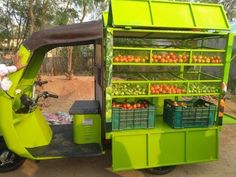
{"points": [[159, 70]]}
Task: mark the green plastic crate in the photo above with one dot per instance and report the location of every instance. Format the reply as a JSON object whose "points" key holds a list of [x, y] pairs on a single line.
{"points": [[198, 113], [123, 119]]}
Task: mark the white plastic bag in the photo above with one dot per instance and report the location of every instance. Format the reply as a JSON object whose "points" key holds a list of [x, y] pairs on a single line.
{"points": [[4, 70], [5, 84]]}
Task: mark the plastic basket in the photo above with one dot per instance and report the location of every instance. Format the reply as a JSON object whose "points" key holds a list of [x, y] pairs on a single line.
{"points": [[123, 119], [198, 113]]}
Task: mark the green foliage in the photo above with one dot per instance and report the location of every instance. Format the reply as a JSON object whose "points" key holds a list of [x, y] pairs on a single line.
{"points": [[14, 19]]}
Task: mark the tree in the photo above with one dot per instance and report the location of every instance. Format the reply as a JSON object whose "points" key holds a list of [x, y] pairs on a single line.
{"points": [[13, 18], [74, 11]]}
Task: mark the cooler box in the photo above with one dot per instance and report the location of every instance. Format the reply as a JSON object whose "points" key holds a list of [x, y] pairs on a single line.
{"points": [[86, 122]]}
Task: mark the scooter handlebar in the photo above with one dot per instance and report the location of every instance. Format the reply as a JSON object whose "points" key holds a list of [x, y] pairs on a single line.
{"points": [[40, 83], [46, 95], [52, 95]]}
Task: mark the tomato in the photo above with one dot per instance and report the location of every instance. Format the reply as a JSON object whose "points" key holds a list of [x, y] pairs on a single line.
{"points": [[162, 60], [152, 88], [195, 60], [122, 59], [178, 91], [181, 60], [163, 55], [200, 57], [154, 56], [180, 56]]}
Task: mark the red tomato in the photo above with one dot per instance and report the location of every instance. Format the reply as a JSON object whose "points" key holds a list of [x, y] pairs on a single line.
{"points": [[159, 57]]}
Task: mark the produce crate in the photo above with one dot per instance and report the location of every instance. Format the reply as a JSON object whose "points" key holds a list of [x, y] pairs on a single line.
{"points": [[199, 88], [123, 119], [130, 56], [207, 57], [122, 89], [198, 113], [168, 89], [170, 57]]}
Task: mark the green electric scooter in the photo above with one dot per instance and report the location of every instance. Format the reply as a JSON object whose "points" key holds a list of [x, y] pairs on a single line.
{"points": [[25, 132]]}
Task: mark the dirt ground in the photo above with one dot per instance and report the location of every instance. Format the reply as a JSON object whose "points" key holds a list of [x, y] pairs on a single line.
{"points": [[83, 88], [80, 88]]}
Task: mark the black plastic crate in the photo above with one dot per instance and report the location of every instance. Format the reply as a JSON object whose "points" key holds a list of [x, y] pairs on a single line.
{"points": [[198, 113]]}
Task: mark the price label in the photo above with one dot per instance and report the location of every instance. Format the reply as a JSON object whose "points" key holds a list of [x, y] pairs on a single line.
{"points": [[87, 122]]}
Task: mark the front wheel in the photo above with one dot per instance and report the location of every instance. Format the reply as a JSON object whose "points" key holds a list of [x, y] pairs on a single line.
{"points": [[8, 160], [161, 170]]}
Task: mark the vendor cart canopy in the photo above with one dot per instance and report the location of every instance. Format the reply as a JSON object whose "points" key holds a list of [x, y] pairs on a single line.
{"points": [[166, 14], [75, 34]]}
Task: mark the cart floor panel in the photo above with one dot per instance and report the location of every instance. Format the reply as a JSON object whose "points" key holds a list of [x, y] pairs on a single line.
{"points": [[62, 145]]}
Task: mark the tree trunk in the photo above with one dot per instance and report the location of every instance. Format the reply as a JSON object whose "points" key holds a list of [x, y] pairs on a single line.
{"points": [[42, 19], [69, 73], [84, 12], [31, 17]]}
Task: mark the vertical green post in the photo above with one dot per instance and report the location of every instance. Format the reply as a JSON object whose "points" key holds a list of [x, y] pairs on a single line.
{"points": [[108, 73], [229, 49], [150, 56], [226, 71]]}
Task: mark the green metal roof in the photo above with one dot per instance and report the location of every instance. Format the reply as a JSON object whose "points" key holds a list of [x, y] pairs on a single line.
{"points": [[166, 14]]}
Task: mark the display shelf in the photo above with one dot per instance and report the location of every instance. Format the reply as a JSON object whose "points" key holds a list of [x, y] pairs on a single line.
{"points": [[162, 127], [167, 49], [164, 84], [167, 56], [165, 64], [165, 95]]}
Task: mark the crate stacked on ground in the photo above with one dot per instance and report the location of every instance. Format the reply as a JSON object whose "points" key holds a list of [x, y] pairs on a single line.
{"points": [[184, 114], [136, 115]]}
